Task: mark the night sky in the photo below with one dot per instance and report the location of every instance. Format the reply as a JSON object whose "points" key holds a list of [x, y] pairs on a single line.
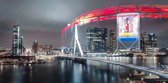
{"points": [[43, 20]]}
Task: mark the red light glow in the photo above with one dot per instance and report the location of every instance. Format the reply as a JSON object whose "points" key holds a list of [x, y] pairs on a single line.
{"points": [[145, 11]]}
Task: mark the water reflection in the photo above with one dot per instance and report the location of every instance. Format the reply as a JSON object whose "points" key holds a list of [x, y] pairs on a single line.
{"points": [[62, 71], [155, 62]]}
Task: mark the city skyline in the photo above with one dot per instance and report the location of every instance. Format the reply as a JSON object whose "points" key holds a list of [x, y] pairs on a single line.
{"points": [[83, 41], [43, 20]]}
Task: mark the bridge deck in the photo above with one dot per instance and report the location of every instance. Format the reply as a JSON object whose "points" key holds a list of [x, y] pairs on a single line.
{"points": [[146, 69]]}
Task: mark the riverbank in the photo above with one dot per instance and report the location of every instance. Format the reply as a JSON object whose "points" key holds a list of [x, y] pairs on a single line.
{"points": [[20, 60]]}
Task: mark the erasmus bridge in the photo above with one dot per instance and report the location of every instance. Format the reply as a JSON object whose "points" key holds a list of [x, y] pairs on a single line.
{"points": [[112, 13]]}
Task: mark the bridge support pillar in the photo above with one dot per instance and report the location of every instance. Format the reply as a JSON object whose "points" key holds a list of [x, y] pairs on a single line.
{"points": [[76, 41]]}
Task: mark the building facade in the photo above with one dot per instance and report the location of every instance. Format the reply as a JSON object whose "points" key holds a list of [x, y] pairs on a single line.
{"points": [[152, 40], [97, 39], [44, 49], [112, 40], [148, 40], [35, 47], [17, 43]]}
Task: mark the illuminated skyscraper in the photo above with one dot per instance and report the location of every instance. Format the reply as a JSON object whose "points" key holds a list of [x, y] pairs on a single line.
{"points": [[21, 44], [148, 40], [152, 40], [97, 38], [16, 40], [17, 43]]}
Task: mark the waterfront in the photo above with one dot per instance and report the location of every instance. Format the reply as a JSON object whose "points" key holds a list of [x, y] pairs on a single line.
{"points": [[66, 71]]}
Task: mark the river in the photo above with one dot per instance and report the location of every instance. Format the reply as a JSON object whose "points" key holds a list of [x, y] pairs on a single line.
{"points": [[65, 71]]}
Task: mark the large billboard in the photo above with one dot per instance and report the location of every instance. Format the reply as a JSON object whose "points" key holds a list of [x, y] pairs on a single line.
{"points": [[128, 26]]}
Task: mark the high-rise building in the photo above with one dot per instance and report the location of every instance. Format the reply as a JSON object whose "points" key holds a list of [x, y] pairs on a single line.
{"points": [[21, 44], [148, 40], [152, 40], [35, 47], [143, 44], [97, 39], [17, 41], [112, 40]]}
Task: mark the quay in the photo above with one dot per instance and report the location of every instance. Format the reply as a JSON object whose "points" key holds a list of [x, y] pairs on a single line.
{"points": [[17, 60]]}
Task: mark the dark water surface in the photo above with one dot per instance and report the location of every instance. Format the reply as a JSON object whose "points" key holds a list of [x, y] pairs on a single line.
{"points": [[61, 71]]}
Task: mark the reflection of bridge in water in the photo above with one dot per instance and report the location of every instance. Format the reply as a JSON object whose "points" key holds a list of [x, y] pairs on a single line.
{"points": [[108, 60]]}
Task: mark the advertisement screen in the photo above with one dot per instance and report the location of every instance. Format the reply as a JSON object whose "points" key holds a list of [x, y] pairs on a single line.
{"points": [[128, 26]]}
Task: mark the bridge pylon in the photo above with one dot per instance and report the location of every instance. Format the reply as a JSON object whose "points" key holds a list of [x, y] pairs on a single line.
{"points": [[76, 41]]}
